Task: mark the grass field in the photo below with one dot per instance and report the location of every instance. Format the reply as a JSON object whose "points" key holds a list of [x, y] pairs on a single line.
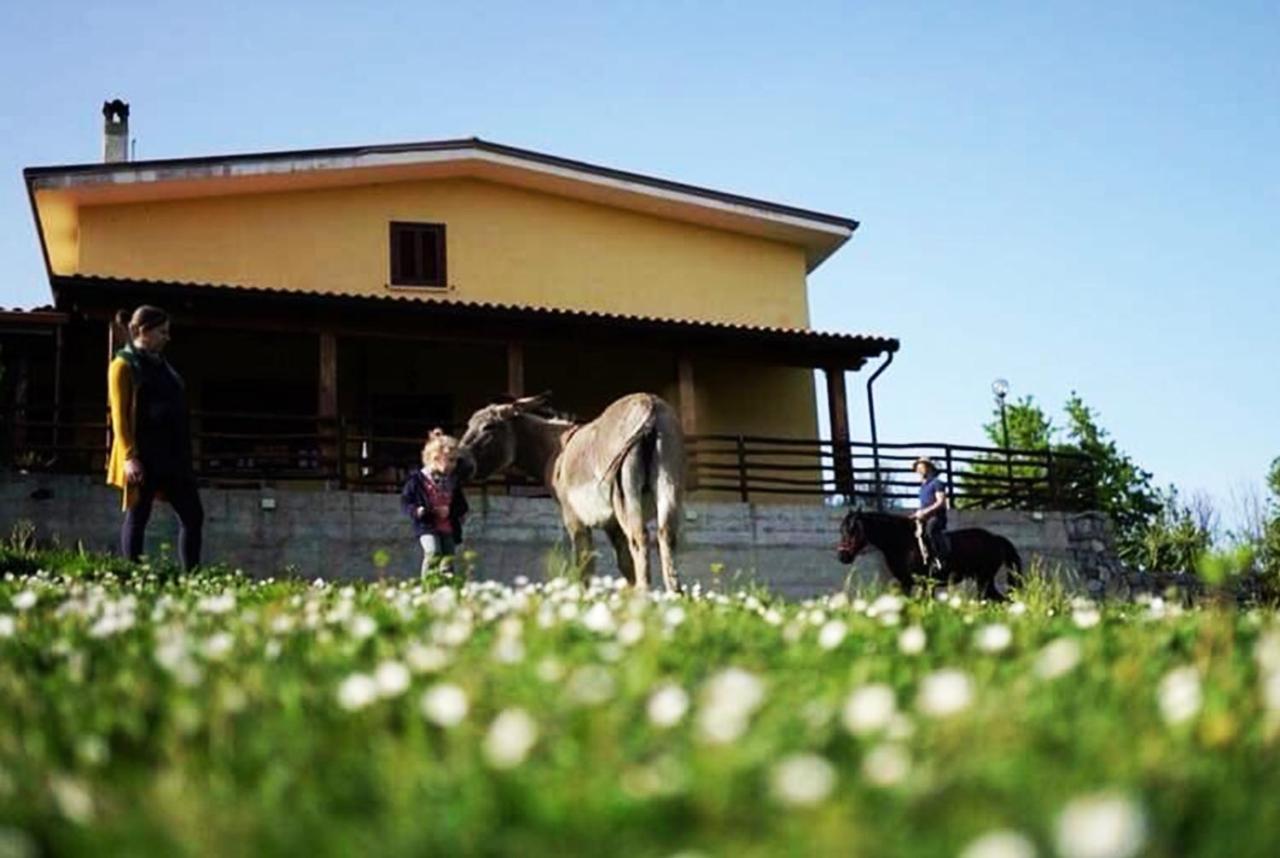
{"points": [[143, 713]]}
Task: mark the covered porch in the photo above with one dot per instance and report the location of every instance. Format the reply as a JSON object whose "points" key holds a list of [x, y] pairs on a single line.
{"points": [[339, 390]]}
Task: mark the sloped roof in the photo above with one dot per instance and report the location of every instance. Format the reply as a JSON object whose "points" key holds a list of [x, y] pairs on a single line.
{"points": [[819, 233]]}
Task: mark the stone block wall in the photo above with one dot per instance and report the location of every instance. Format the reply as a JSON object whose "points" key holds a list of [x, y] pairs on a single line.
{"points": [[343, 534]]}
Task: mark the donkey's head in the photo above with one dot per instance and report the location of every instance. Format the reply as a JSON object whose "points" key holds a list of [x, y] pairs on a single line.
{"points": [[488, 446]]}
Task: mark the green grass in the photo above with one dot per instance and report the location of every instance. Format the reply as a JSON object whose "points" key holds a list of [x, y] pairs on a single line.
{"points": [[147, 713]]}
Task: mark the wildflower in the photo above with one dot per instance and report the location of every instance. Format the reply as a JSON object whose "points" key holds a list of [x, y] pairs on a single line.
{"points": [[631, 632], [25, 600], [590, 685], [217, 645], [7, 626], [357, 691], [1101, 825], [886, 765], [668, 705], [994, 638], [832, 634], [223, 603], [1057, 658], [912, 640], [1267, 652], [392, 678], [362, 626], [869, 708], [425, 659], [887, 603], [1179, 695], [510, 738], [801, 780], [444, 705], [599, 619], [73, 798], [945, 693], [728, 700], [508, 649], [1000, 844], [550, 670], [1271, 691], [1086, 617]]}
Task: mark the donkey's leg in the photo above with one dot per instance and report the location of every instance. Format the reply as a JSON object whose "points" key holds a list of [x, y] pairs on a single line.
{"points": [[622, 549], [668, 536], [580, 540], [667, 496], [628, 510]]}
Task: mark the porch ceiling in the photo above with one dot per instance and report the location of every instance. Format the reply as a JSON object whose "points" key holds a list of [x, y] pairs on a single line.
{"points": [[256, 308]]}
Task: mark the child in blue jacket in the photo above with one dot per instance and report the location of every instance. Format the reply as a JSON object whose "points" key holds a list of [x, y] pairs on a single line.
{"points": [[432, 498]]}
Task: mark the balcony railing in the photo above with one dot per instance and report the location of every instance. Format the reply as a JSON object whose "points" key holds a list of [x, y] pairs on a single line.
{"points": [[247, 449]]}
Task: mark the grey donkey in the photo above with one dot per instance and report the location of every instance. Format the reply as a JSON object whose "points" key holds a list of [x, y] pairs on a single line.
{"points": [[616, 472]]}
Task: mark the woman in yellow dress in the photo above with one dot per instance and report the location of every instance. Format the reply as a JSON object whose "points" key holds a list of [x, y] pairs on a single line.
{"points": [[151, 436]]}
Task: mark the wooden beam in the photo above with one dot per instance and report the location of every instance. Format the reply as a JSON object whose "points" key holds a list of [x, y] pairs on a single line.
{"points": [[515, 368], [688, 396], [838, 411]]}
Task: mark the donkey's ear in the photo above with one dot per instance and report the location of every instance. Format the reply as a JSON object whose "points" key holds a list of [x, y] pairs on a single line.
{"points": [[529, 403]]}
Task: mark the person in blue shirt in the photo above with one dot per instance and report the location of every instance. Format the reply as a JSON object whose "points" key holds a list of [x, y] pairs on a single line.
{"points": [[931, 517]]}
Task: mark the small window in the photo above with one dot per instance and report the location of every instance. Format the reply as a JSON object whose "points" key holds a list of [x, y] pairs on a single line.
{"points": [[417, 254]]}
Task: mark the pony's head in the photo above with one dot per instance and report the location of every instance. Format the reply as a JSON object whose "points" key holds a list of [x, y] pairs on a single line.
{"points": [[853, 536], [489, 444]]}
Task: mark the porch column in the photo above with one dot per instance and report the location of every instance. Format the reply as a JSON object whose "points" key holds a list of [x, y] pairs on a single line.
{"points": [[515, 369], [330, 438], [114, 344], [57, 386], [688, 402], [838, 409]]}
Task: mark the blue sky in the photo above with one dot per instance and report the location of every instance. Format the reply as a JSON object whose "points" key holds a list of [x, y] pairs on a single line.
{"points": [[1070, 195]]}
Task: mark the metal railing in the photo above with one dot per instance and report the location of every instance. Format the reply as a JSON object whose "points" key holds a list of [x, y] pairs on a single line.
{"points": [[881, 475], [250, 448]]}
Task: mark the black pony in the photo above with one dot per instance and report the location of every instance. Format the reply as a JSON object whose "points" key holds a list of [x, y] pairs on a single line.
{"points": [[975, 553]]}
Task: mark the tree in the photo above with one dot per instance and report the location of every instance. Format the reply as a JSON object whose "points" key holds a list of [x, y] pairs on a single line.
{"points": [[1029, 429], [1118, 486], [1122, 489], [1176, 537]]}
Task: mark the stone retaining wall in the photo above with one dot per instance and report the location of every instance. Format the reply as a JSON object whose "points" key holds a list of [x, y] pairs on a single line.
{"points": [[791, 548]]}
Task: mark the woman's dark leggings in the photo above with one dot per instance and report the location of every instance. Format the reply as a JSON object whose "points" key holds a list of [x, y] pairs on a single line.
{"points": [[185, 500]]}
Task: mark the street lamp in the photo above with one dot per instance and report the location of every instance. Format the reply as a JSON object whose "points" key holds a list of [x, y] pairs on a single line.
{"points": [[1000, 387]]}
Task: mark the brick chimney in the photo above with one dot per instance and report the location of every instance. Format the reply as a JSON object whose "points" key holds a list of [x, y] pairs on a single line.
{"points": [[115, 131]]}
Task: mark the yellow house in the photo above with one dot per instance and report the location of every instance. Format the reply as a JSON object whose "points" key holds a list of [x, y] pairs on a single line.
{"points": [[363, 294]]}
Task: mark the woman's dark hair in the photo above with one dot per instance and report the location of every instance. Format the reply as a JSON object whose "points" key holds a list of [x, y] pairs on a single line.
{"points": [[144, 318]]}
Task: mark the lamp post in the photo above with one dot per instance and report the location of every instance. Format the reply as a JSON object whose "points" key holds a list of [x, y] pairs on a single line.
{"points": [[1000, 387]]}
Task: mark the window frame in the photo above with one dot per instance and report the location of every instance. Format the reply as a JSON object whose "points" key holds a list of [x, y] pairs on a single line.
{"points": [[435, 231]]}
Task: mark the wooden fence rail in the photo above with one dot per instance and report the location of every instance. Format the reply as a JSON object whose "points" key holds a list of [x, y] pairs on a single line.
{"points": [[240, 448]]}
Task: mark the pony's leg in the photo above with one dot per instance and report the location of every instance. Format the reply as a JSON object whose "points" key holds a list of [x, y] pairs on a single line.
{"points": [[622, 549]]}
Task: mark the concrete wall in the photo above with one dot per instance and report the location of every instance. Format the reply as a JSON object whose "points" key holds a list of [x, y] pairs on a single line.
{"points": [[339, 534]]}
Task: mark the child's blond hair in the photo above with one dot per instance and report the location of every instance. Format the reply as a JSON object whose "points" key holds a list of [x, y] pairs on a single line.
{"points": [[439, 444]]}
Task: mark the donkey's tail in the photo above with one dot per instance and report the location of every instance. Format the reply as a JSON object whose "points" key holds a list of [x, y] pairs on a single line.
{"points": [[638, 427]]}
